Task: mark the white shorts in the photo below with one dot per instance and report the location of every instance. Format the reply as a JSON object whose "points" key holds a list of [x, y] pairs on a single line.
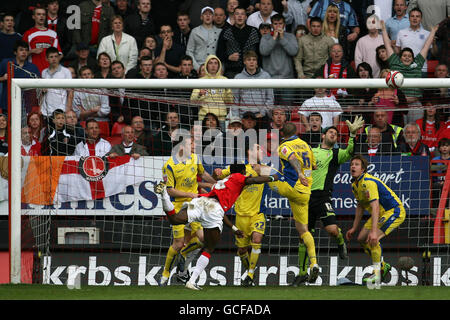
{"points": [[207, 211]]}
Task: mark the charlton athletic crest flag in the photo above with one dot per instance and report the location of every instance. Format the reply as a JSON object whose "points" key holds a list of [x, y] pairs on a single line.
{"points": [[63, 179]]}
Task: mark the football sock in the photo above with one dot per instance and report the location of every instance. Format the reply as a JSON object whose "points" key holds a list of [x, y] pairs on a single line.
{"points": [[193, 244], [254, 256], [245, 260], [171, 255], [202, 262], [340, 238], [366, 248], [302, 259], [310, 247], [376, 253], [373, 252]]}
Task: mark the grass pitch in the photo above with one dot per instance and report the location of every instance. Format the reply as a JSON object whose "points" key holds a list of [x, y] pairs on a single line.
{"points": [[229, 293]]}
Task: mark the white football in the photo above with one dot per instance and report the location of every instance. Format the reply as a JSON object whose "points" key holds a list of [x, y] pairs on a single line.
{"points": [[394, 79]]}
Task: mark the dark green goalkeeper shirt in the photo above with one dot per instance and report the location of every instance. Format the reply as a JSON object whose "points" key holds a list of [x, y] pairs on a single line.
{"points": [[328, 162]]}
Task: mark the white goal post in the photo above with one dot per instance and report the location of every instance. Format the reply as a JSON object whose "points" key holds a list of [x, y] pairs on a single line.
{"points": [[17, 85]]}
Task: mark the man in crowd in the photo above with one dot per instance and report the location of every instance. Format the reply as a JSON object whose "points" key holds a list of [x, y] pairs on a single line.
{"points": [[55, 98], [128, 145], [140, 24], [313, 50], [168, 52], [40, 38], [235, 41], [277, 53], [203, 39], [264, 14], [94, 144], [96, 26], [183, 30]]}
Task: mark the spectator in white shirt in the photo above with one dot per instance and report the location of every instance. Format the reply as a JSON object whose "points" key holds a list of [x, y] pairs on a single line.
{"points": [[328, 108], [55, 98], [94, 144], [413, 37], [263, 15]]}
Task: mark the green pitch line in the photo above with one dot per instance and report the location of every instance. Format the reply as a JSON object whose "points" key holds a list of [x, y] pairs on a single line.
{"points": [[53, 292]]}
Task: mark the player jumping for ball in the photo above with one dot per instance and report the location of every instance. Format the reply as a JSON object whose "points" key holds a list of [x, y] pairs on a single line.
{"points": [[209, 209]]}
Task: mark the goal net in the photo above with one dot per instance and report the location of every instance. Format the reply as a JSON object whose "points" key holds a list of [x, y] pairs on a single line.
{"points": [[82, 202]]}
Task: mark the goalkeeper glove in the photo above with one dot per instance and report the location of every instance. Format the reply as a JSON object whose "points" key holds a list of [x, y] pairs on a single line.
{"points": [[357, 124]]}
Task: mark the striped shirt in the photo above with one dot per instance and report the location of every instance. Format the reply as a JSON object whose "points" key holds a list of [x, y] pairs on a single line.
{"points": [[45, 39]]}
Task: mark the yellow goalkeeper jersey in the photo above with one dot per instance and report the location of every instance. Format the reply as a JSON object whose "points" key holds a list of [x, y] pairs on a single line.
{"points": [[251, 199], [182, 176], [302, 151]]}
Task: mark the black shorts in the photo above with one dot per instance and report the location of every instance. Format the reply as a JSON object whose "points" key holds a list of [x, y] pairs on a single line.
{"points": [[320, 207]]}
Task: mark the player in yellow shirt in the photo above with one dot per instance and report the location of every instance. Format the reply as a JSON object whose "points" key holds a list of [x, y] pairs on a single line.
{"points": [[297, 162], [386, 210], [180, 175], [250, 215]]}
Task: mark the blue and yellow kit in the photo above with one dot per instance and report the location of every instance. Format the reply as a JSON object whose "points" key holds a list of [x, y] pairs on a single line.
{"points": [[368, 188], [249, 207], [289, 185], [183, 177], [303, 153]]}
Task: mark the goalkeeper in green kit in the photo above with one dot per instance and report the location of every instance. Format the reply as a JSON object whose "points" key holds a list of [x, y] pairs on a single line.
{"points": [[328, 159]]}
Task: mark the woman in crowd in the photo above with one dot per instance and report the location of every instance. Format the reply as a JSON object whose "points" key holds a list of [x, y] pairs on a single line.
{"points": [[391, 99], [332, 27], [362, 96], [151, 42], [431, 124], [382, 57], [120, 45], [36, 124], [104, 66]]}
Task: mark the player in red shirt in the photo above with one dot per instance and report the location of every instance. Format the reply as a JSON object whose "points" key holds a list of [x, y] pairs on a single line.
{"points": [[209, 209], [40, 38]]}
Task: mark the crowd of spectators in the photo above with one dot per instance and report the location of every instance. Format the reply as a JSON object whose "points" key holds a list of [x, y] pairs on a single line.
{"points": [[219, 39]]}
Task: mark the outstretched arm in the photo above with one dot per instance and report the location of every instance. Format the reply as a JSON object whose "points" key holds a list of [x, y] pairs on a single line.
{"points": [[386, 40], [229, 224], [260, 179], [428, 42]]}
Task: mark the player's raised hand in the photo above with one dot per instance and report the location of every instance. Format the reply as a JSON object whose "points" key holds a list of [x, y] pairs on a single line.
{"points": [[357, 124]]}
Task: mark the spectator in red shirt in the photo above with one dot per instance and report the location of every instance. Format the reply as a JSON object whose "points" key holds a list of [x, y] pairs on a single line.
{"points": [[30, 147], [430, 125], [95, 23], [40, 38], [336, 68], [58, 23]]}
